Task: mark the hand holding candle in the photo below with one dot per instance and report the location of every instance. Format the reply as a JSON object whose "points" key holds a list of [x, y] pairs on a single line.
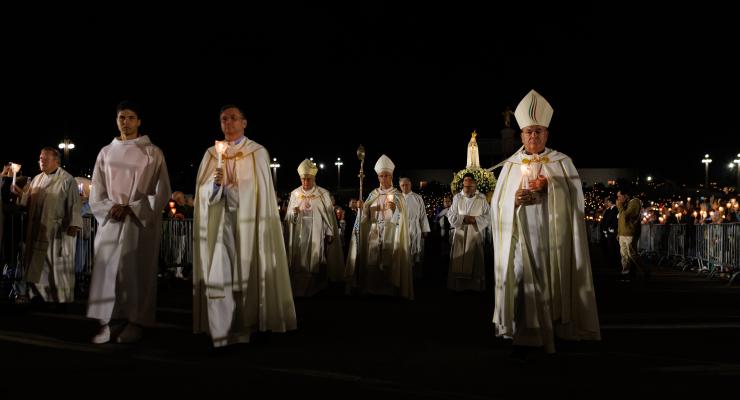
{"points": [[221, 146], [389, 201], [15, 167]]}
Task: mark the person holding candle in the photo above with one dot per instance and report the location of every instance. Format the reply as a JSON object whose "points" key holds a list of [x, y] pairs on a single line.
{"points": [[240, 269], [312, 236], [542, 267], [383, 263], [54, 218], [130, 187]]}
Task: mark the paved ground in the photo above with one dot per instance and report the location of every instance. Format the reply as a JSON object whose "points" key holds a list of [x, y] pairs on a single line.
{"points": [[675, 336]]}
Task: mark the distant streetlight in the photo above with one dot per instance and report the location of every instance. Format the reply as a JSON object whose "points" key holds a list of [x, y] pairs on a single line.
{"points": [[737, 161], [649, 178], [66, 145], [706, 162], [274, 165], [339, 164]]}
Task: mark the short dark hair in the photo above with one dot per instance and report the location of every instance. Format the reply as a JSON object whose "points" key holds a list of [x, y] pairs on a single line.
{"points": [[227, 106], [53, 151], [470, 175], [129, 105]]}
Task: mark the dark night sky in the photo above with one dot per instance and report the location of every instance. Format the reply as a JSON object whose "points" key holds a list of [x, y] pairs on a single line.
{"points": [[318, 80]]}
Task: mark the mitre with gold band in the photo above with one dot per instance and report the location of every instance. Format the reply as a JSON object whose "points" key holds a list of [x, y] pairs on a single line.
{"points": [[533, 110], [307, 167], [384, 164]]}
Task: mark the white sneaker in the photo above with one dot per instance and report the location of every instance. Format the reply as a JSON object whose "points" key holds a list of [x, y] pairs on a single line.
{"points": [[103, 336], [131, 334]]}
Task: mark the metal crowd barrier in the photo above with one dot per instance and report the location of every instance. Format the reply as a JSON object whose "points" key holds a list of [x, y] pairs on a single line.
{"points": [[713, 248], [176, 249]]}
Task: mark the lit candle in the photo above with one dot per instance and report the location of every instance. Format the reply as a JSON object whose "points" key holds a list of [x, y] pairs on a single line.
{"points": [[525, 176], [80, 188], [15, 167], [221, 146]]}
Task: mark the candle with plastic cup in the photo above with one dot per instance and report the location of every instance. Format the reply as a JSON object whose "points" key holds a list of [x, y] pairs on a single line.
{"points": [[15, 167], [526, 171]]}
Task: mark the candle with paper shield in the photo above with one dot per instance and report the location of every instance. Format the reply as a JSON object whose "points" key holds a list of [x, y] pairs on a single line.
{"points": [[15, 167], [526, 171], [221, 146]]}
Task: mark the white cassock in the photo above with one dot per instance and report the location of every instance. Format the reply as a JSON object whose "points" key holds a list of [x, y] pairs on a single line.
{"points": [[310, 258], [542, 265], [418, 224], [124, 279], [240, 269], [379, 257], [53, 203], [467, 267]]}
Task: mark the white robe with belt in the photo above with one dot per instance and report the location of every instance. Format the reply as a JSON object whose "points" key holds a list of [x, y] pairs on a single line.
{"points": [[53, 203], [124, 280], [542, 266], [467, 267], [240, 268]]}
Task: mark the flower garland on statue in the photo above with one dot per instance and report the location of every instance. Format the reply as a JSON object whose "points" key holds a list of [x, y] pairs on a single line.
{"points": [[486, 182]]}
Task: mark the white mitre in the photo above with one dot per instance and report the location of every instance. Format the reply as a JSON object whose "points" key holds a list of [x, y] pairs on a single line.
{"points": [[307, 167], [384, 164], [533, 110]]}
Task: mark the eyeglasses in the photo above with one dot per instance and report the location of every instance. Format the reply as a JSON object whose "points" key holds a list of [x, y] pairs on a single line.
{"points": [[539, 131], [226, 118]]}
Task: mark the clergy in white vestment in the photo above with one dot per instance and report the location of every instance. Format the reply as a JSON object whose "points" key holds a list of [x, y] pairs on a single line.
{"points": [[130, 187], [418, 224], [240, 270], [54, 218], [312, 237], [542, 266], [469, 217], [380, 260]]}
